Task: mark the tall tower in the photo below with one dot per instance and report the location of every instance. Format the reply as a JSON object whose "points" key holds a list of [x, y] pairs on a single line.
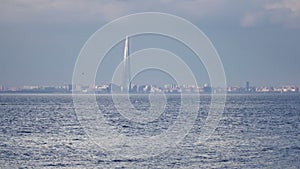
{"points": [[247, 86], [127, 72]]}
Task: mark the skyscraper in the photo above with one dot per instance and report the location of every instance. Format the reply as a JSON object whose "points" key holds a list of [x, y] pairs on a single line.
{"points": [[247, 86], [127, 72]]}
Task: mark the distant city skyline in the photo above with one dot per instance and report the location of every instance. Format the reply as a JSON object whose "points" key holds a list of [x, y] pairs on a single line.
{"points": [[258, 41], [134, 88]]}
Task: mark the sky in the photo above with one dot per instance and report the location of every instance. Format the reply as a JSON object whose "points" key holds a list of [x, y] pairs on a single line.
{"points": [[257, 40]]}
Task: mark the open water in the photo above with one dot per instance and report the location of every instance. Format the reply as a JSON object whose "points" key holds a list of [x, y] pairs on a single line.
{"points": [[255, 131]]}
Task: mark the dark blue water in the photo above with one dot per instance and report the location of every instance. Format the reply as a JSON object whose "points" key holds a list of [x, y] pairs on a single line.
{"points": [[255, 131]]}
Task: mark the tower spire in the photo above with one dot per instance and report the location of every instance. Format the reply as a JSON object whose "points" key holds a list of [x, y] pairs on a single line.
{"points": [[127, 76]]}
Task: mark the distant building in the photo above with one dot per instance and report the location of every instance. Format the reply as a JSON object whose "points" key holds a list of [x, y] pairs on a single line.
{"points": [[289, 89], [133, 88], [102, 89], [247, 86], [69, 87], [113, 88], [207, 88], [144, 89], [31, 87], [155, 89]]}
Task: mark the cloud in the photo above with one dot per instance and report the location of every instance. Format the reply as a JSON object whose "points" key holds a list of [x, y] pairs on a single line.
{"points": [[291, 5], [251, 19], [93, 10], [286, 12], [60, 10], [245, 13], [283, 12]]}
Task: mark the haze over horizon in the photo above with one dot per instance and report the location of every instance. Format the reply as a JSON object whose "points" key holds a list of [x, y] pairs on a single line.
{"points": [[257, 41]]}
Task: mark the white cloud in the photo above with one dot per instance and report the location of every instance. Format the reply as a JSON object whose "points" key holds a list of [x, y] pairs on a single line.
{"points": [[286, 12], [283, 12], [245, 13], [93, 10], [292, 5], [60, 10], [251, 19]]}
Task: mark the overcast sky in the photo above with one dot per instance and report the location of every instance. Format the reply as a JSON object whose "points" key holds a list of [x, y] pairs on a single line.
{"points": [[257, 40]]}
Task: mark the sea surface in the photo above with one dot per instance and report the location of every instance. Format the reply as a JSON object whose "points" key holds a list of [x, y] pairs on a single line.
{"points": [[254, 131]]}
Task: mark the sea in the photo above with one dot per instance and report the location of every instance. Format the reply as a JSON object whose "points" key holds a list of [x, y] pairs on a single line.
{"points": [[253, 131]]}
